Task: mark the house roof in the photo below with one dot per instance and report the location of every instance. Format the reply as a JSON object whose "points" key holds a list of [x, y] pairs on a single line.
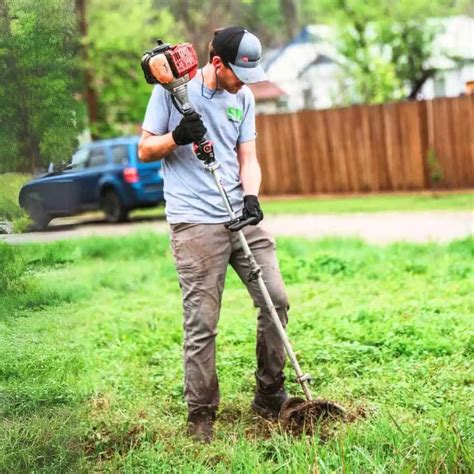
{"points": [[266, 90], [288, 62], [318, 61]]}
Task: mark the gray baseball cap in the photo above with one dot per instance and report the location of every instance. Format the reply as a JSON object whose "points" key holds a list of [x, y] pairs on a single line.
{"points": [[241, 51]]}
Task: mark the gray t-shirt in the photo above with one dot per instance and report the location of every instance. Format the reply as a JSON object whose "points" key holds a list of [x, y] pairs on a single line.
{"points": [[190, 191]]}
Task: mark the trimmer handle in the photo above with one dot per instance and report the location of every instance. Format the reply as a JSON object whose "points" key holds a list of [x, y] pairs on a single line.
{"points": [[240, 223], [204, 150]]}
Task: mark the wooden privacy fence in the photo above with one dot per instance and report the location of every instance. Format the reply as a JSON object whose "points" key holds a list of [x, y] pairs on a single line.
{"points": [[368, 147]]}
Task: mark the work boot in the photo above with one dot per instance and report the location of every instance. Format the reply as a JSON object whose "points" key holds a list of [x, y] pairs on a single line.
{"points": [[200, 423], [268, 400]]}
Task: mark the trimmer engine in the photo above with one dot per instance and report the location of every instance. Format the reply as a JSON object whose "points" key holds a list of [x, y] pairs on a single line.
{"points": [[172, 67]]}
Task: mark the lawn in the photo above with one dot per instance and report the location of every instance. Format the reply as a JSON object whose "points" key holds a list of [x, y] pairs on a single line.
{"points": [[362, 203], [91, 372], [370, 203]]}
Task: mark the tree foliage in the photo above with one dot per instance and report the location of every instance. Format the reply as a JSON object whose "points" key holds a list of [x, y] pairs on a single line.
{"points": [[39, 115], [386, 46], [118, 33], [60, 59]]}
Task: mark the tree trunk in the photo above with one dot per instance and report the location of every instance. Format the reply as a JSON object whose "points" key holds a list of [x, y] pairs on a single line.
{"points": [[290, 9], [418, 83], [90, 92], [33, 149]]}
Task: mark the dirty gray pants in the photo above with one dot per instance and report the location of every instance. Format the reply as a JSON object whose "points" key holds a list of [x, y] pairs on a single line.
{"points": [[202, 253]]}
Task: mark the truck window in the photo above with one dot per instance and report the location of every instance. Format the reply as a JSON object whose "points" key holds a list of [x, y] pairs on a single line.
{"points": [[120, 154], [97, 157]]}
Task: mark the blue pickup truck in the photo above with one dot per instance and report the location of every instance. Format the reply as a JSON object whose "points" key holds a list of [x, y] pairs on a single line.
{"points": [[105, 174]]}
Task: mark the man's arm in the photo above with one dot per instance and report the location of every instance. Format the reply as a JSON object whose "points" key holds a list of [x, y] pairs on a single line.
{"points": [[250, 173], [155, 147]]}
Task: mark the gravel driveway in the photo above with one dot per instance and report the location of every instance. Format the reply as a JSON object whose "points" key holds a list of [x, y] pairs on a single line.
{"points": [[379, 228]]}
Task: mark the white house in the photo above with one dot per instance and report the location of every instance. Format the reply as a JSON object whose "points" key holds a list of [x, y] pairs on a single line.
{"points": [[305, 68], [308, 69], [457, 40]]}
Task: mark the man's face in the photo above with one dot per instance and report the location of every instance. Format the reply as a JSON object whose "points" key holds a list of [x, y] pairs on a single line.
{"points": [[227, 79]]}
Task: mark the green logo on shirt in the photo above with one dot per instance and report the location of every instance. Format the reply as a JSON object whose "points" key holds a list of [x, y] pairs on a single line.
{"points": [[234, 114]]}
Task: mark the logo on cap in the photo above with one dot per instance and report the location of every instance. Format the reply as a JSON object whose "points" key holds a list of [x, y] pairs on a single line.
{"points": [[245, 59]]}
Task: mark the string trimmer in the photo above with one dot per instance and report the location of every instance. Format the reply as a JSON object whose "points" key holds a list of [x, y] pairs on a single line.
{"points": [[173, 67]]}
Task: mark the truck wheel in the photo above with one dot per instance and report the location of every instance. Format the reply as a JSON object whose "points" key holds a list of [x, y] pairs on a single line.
{"points": [[113, 207], [35, 209]]}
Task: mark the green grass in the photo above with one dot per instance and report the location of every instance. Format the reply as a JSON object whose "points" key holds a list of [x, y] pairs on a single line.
{"points": [[91, 375], [350, 204], [370, 203], [10, 185]]}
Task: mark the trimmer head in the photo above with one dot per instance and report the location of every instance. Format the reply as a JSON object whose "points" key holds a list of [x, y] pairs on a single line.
{"points": [[298, 415]]}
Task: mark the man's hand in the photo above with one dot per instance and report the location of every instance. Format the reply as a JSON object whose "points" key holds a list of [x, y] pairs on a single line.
{"points": [[252, 208], [190, 129]]}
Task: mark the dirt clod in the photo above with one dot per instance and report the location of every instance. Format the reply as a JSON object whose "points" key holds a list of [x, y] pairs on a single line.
{"points": [[298, 416]]}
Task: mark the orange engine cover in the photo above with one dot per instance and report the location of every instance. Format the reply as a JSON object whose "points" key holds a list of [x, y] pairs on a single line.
{"points": [[182, 60]]}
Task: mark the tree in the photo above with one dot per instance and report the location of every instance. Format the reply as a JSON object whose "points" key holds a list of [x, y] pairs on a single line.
{"points": [[89, 92], [290, 10], [411, 45], [9, 124], [386, 46], [39, 115], [196, 20], [118, 34], [274, 22]]}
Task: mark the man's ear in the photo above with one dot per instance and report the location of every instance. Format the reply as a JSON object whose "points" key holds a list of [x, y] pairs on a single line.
{"points": [[217, 62]]}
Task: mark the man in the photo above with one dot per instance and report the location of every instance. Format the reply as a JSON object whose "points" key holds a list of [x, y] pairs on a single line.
{"points": [[202, 245]]}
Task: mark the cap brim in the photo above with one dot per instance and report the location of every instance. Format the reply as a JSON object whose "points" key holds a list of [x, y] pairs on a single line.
{"points": [[249, 75]]}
